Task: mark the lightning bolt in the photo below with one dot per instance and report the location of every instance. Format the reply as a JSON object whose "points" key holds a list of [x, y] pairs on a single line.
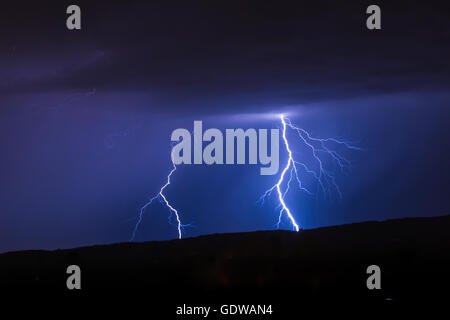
{"points": [[324, 178], [160, 195], [293, 168]]}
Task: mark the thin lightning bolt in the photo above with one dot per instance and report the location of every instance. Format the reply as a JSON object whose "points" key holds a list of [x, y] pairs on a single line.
{"points": [[160, 195], [278, 185], [324, 178]]}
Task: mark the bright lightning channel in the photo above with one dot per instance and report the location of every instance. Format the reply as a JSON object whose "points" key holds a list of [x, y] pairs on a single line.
{"points": [[160, 195], [324, 178]]}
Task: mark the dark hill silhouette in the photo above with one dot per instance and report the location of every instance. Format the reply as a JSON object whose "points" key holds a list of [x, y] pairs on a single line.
{"points": [[279, 267]]}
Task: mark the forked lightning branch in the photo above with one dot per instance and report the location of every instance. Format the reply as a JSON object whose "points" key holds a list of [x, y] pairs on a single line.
{"points": [[189, 150]]}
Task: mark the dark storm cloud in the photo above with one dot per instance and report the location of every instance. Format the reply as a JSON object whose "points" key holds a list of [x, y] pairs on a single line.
{"points": [[202, 52]]}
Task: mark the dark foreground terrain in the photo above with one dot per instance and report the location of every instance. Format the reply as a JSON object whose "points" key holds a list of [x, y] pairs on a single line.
{"points": [[285, 269]]}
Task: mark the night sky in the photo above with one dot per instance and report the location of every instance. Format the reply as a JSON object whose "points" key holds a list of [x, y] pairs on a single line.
{"points": [[86, 116]]}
